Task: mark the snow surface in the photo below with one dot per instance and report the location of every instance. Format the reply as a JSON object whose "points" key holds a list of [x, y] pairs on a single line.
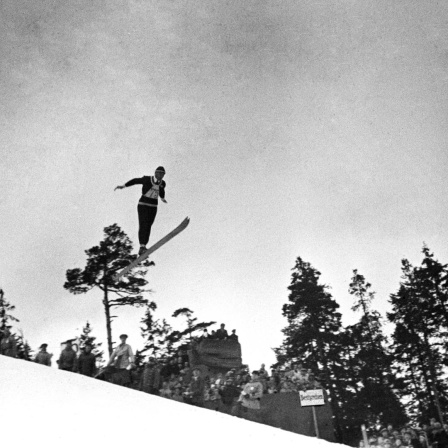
{"points": [[40, 406]]}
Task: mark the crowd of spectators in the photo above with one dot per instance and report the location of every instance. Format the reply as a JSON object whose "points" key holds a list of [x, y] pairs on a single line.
{"points": [[427, 435], [173, 378], [236, 391], [224, 392], [231, 392], [69, 360], [220, 334]]}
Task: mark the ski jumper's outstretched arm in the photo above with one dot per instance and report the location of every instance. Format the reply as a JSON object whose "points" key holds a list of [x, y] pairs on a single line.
{"points": [[141, 180], [136, 181]]}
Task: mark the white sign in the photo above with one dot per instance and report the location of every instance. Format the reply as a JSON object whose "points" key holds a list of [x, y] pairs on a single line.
{"points": [[312, 397]]}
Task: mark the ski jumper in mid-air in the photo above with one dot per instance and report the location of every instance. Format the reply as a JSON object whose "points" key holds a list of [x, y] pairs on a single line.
{"points": [[153, 187]]}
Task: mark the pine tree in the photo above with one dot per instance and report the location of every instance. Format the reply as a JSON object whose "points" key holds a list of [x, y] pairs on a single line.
{"points": [[5, 312], [6, 318], [103, 262], [412, 383], [86, 338], [312, 317], [433, 278], [193, 326], [160, 339], [24, 350], [313, 327], [345, 371], [420, 336], [371, 362]]}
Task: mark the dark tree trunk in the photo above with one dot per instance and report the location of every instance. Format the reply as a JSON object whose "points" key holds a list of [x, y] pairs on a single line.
{"points": [[108, 321], [333, 397], [433, 373]]}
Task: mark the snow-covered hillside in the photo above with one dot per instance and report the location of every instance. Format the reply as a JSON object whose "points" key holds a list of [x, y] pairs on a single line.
{"points": [[40, 406]]}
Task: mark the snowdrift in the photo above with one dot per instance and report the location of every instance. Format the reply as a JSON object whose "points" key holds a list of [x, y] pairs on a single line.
{"points": [[42, 406]]}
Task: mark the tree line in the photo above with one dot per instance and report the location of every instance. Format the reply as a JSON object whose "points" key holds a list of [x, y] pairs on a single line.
{"points": [[104, 260], [370, 378]]}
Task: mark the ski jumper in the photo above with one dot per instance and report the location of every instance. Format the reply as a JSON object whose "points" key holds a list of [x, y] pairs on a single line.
{"points": [[147, 205]]}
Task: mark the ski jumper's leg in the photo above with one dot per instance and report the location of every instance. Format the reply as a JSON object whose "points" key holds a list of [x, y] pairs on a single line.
{"points": [[146, 217]]}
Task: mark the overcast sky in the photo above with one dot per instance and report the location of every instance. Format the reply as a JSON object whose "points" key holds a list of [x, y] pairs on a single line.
{"points": [[286, 128]]}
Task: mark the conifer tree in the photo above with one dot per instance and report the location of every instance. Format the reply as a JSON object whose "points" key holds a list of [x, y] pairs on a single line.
{"points": [[371, 362], [6, 318], [341, 359], [5, 312], [160, 339], [433, 279], [419, 336], [86, 338], [412, 382], [193, 326], [24, 350], [103, 262], [313, 327]]}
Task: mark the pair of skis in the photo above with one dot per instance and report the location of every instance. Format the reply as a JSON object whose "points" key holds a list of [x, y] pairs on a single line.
{"points": [[153, 248]]}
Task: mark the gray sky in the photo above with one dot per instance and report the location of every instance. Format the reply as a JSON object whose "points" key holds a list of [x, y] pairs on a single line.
{"points": [[312, 128]]}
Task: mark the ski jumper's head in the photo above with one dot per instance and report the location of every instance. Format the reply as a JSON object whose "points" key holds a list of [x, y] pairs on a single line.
{"points": [[160, 172]]}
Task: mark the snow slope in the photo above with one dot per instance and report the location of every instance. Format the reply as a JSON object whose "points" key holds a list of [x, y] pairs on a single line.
{"points": [[40, 406]]}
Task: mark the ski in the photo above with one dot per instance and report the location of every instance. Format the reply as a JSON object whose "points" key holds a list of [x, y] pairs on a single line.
{"points": [[153, 248]]}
